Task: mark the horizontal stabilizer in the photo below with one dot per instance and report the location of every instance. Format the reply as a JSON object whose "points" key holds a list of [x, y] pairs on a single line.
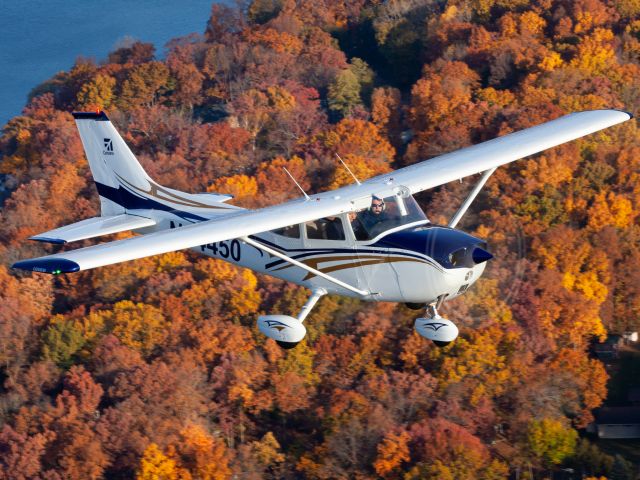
{"points": [[209, 198], [94, 227]]}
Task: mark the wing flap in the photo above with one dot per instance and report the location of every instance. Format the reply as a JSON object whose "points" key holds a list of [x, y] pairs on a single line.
{"points": [[94, 227]]}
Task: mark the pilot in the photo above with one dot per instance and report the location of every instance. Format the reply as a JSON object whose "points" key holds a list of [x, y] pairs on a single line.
{"points": [[365, 222]]}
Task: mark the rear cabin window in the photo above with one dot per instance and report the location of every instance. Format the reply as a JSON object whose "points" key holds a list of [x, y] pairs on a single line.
{"points": [[292, 231], [330, 228]]}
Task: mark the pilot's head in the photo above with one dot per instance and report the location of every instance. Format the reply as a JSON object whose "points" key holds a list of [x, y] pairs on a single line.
{"points": [[377, 206]]}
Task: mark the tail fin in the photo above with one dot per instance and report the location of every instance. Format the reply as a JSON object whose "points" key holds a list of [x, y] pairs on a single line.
{"points": [[110, 159], [122, 182]]}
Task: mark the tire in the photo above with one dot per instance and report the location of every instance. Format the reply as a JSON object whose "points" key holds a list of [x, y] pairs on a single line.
{"points": [[415, 306]]}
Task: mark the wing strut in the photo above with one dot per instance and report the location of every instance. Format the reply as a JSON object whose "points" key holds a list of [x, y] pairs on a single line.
{"points": [[275, 253], [472, 196]]}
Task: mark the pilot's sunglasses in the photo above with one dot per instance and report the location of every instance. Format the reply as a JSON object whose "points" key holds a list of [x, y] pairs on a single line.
{"points": [[377, 205]]}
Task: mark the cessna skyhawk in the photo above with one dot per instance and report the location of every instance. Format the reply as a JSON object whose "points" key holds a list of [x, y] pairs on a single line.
{"points": [[369, 240]]}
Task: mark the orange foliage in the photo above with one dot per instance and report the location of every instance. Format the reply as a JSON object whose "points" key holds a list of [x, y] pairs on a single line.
{"points": [[155, 368], [391, 453]]}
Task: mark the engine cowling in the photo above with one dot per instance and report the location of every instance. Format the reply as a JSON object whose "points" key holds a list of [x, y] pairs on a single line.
{"points": [[440, 330], [285, 330]]}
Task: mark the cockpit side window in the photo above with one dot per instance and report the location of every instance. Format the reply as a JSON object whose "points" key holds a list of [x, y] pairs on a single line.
{"points": [[384, 214], [329, 228]]}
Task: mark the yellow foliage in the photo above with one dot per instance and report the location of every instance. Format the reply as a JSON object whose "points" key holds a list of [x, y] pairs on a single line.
{"points": [[584, 22], [97, 94], [532, 95], [595, 53], [94, 324], [280, 99], [155, 465], [590, 286], [236, 287], [362, 168], [610, 209], [139, 326], [551, 441], [628, 8], [267, 450], [578, 103], [477, 358], [450, 13], [532, 23], [300, 361], [170, 261], [551, 61], [242, 187], [246, 299], [500, 98], [552, 168]]}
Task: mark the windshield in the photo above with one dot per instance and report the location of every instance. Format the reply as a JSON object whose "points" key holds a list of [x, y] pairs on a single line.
{"points": [[385, 214]]}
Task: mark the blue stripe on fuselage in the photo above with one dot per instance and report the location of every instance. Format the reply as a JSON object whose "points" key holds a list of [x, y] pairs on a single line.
{"points": [[129, 200], [365, 249]]}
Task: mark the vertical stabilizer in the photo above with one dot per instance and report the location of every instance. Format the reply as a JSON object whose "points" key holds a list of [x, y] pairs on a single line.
{"points": [[124, 186], [110, 159]]}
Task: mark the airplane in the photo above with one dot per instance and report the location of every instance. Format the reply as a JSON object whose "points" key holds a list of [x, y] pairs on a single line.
{"points": [[369, 240]]}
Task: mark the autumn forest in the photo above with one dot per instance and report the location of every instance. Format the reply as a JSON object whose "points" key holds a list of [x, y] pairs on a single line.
{"points": [[154, 369]]}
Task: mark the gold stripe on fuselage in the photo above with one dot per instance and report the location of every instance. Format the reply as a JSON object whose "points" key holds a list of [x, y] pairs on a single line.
{"points": [[349, 262], [155, 191]]}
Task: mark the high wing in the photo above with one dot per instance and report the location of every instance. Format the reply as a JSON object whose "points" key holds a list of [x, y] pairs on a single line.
{"points": [[502, 150], [415, 178]]}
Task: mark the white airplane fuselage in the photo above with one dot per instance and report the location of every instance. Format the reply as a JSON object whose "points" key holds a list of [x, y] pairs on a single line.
{"points": [[406, 264]]}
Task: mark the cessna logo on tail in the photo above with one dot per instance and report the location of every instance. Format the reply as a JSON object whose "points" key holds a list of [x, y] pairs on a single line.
{"points": [[108, 147]]}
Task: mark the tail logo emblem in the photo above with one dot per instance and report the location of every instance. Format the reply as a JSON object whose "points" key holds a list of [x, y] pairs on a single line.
{"points": [[108, 147]]}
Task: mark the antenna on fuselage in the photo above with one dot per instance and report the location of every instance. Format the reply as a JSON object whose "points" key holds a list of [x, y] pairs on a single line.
{"points": [[297, 184], [348, 169]]}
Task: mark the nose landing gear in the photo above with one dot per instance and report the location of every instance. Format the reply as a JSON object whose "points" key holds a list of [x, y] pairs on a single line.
{"points": [[440, 330]]}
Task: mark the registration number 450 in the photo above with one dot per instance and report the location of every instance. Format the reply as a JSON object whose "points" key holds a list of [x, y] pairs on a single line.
{"points": [[225, 249]]}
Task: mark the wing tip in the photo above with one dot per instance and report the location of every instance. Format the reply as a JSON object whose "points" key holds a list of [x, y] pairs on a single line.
{"points": [[54, 266], [57, 241], [628, 113]]}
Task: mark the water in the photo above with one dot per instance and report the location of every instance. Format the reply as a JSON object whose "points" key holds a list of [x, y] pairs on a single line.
{"points": [[39, 38]]}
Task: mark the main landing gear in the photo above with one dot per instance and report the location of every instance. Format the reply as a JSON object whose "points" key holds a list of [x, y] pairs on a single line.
{"points": [[436, 328], [285, 330], [289, 331]]}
